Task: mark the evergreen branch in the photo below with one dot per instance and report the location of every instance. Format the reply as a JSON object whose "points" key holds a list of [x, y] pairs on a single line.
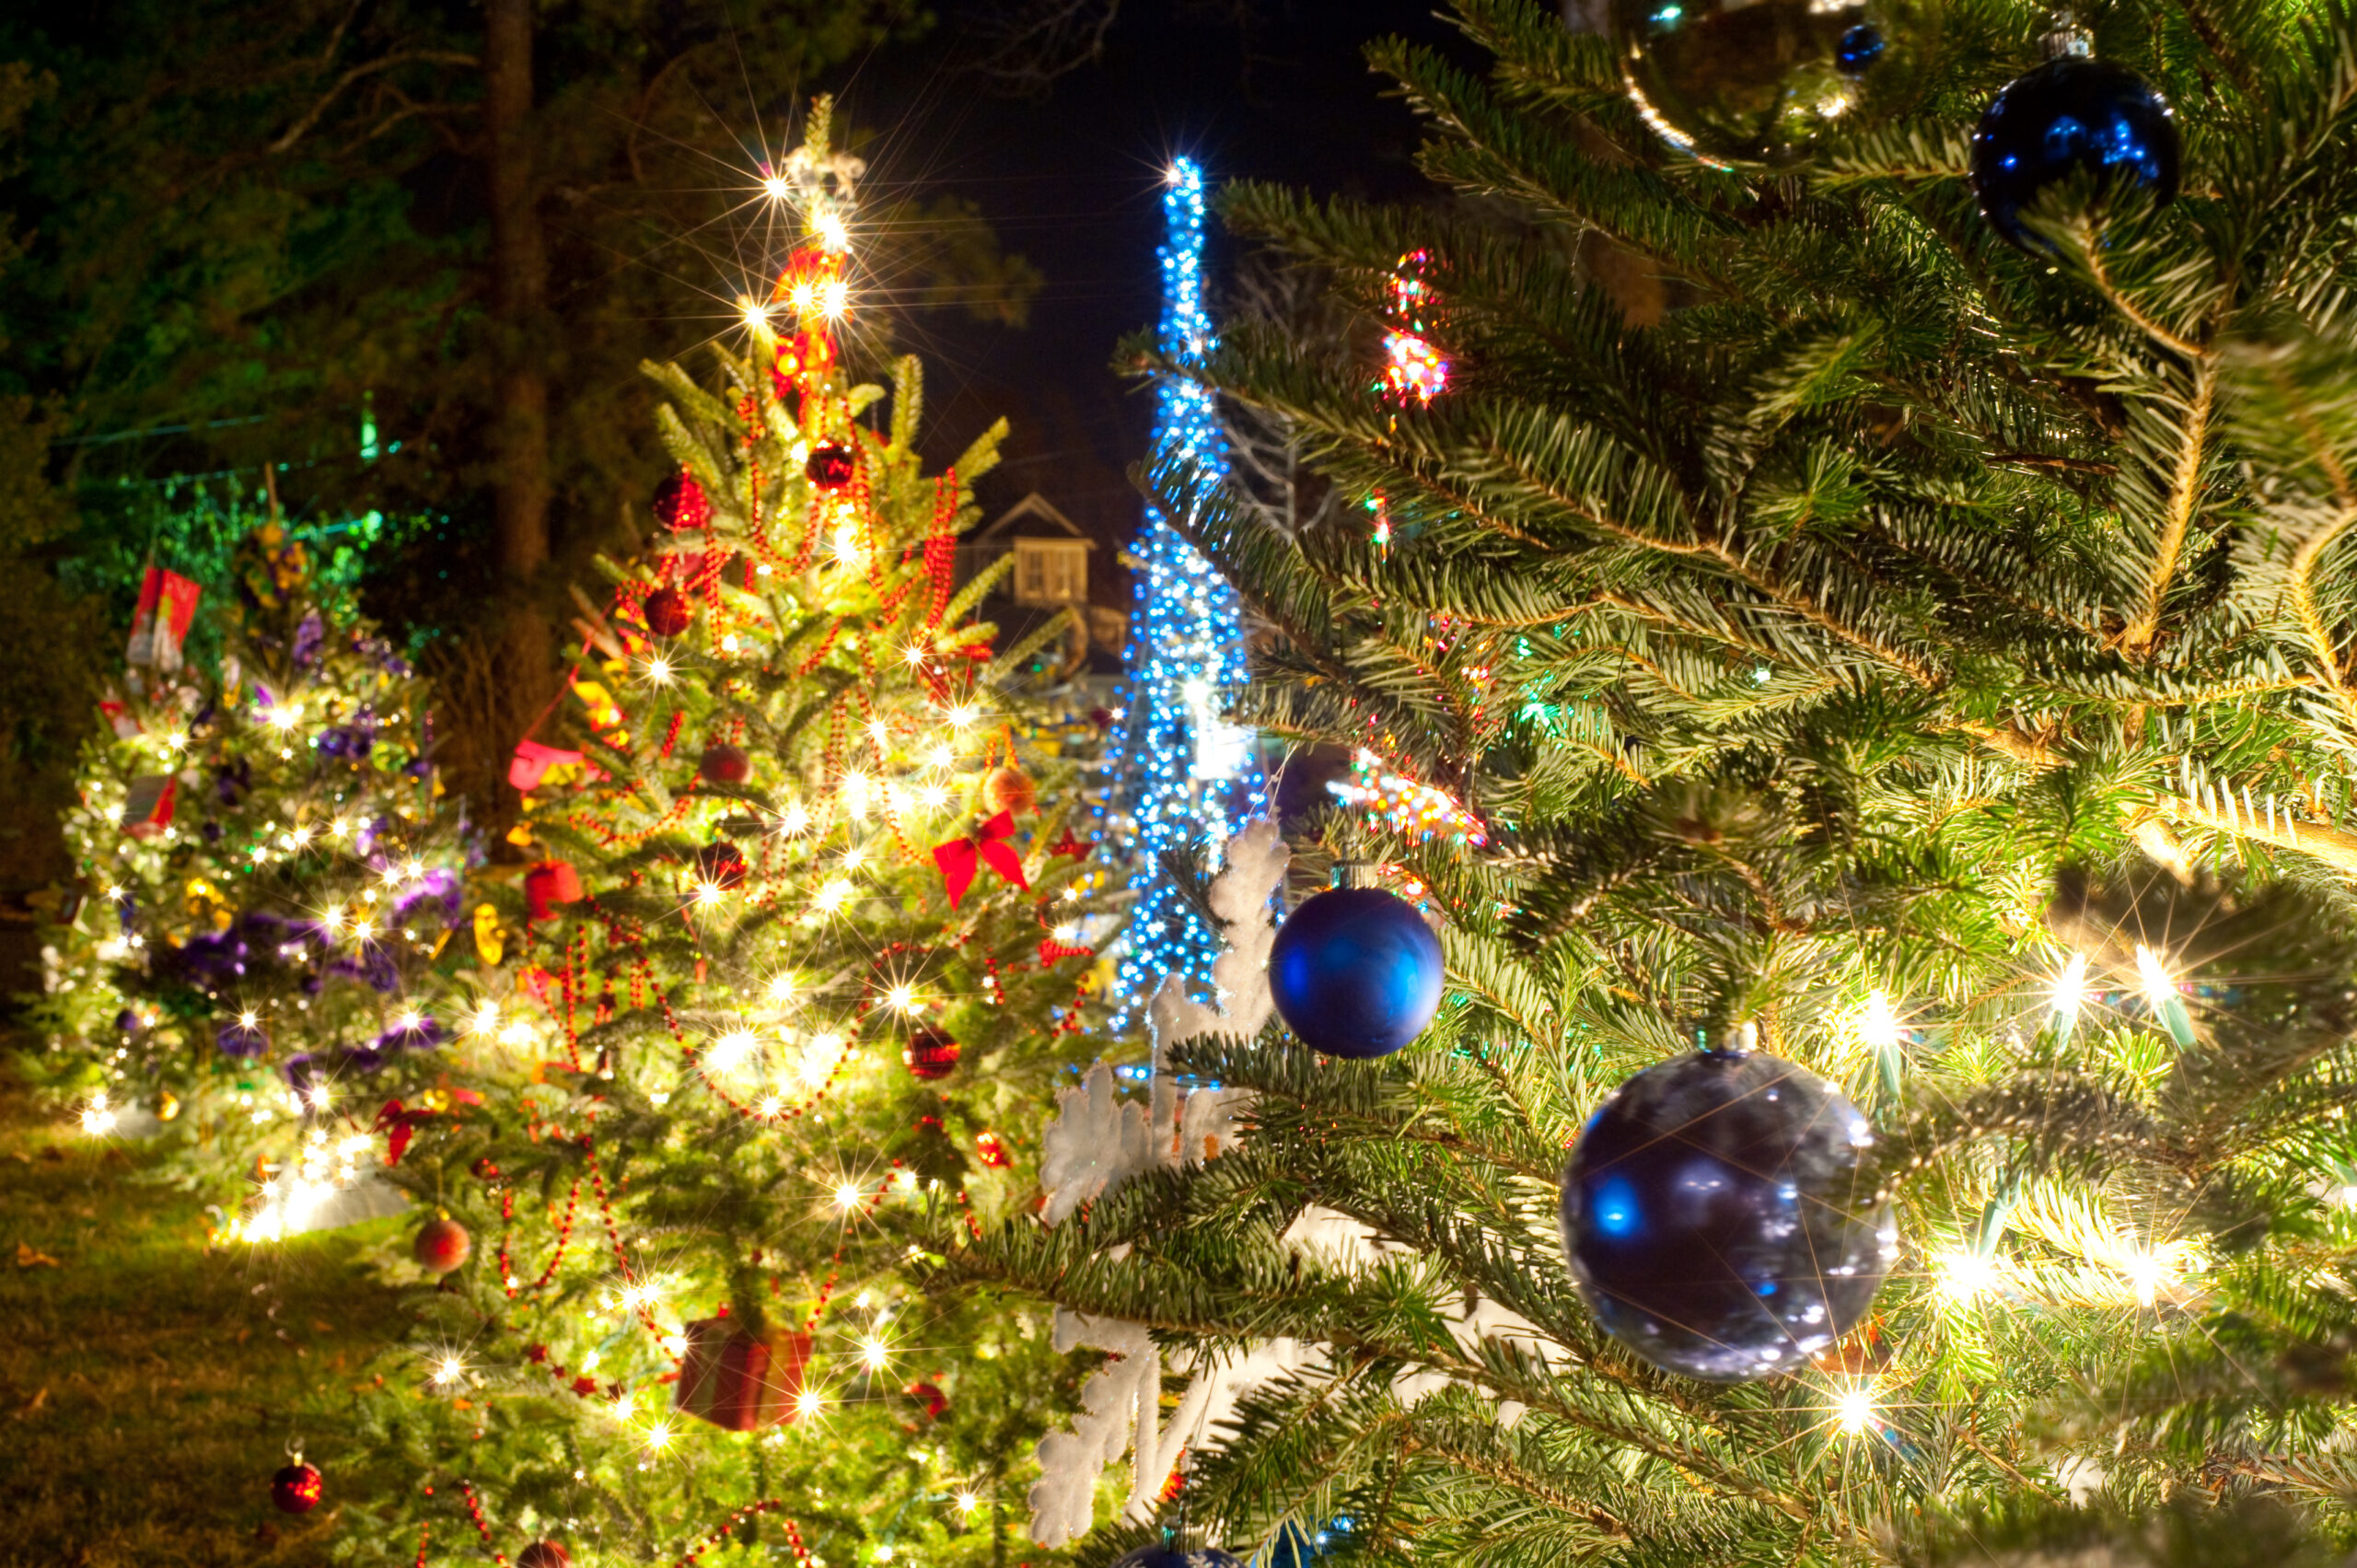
{"points": [[2184, 491], [2319, 841]]}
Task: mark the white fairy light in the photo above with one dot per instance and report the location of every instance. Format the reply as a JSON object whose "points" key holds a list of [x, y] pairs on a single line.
{"points": [[2070, 992]]}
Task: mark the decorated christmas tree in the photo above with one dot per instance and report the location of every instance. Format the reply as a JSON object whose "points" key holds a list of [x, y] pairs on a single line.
{"points": [[794, 973], [254, 959], [1833, 1044]]}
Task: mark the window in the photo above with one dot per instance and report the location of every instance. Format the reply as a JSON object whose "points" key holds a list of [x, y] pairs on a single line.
{"points": [[1051, 571]]}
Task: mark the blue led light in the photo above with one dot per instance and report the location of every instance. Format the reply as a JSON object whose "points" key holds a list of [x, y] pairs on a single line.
{"points": [[1182, 771]]}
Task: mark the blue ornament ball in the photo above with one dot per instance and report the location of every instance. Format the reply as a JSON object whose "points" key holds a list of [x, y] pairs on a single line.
{"points": [[1714, 1217], [2070, 114], [1355, 972], [1162, 1555]]}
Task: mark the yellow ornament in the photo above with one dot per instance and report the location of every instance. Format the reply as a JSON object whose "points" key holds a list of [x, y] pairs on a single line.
{"points": [[488, 941]]}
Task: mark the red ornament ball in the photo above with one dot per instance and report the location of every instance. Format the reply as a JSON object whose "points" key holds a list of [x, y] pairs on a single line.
{"points": [[442, 1245], [484, 1170], [1009, 789], [668, 613], [930, 1054], [680, 504], [930, 1396], [544, 1554], [726, 765], [296, 1488], [832, 467], [722, 865]]}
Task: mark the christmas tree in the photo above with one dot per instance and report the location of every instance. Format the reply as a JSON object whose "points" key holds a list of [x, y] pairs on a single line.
{"points": [[1862, 688], [794, 972], [1183, 773], [256, 956]]}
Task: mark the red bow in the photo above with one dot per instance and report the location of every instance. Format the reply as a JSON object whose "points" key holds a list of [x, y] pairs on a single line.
{"points": [[961, 859], [401, 1124]]}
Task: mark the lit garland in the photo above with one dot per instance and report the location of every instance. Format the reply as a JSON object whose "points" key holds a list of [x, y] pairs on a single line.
{"points": [[1413, 366], [1184, 773], [1415, 810]]}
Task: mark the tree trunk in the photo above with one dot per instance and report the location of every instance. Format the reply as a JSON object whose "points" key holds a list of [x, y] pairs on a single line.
{"points": [[519, 382], [518, 293]]}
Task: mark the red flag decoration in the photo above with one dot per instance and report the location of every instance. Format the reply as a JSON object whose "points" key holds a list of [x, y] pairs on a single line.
{"points": [[148, 805], [532, 762], [962, 859], [166, 605], [1071, 848]]}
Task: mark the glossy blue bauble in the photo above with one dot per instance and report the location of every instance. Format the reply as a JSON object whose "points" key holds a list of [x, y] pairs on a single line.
{"points": [[2070, 114], [1160, 1556], [1355, 972], [1715, 1220]]}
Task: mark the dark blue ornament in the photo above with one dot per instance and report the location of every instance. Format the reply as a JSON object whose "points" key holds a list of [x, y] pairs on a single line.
{"points": [[1355, 972], [1165, 1556], [2071, 113], [1712, 1216], [1858, 49]]}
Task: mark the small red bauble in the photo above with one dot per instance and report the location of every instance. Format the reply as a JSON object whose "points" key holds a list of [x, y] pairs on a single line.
{"points": [[930, 1396], [930, 1054], [832, 467], [668, 612], [726, 765], [1009, 789], [296, 1488], [680, 504], [544, 1554], [442, 1245], [484, 1170], [723, 865]]}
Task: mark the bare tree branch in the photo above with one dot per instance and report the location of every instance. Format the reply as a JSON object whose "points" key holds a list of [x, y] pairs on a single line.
{"points": [[301, 127]]}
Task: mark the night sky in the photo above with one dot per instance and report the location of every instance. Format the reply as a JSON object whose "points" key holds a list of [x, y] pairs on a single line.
{"points": [[1074, 182]]}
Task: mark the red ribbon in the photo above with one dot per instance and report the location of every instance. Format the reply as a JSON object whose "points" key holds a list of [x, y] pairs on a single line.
{"points": [[962, 859]]}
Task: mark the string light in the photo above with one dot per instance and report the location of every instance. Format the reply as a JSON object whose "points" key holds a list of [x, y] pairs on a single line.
{"points": [[1417, 811], [1965, 1276], [1182, 771], [1853, 1410], [2070, 994]]}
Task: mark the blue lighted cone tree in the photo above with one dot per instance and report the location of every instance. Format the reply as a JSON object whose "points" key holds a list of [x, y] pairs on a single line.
{"points": [[1184, 776], [1922, 656]]}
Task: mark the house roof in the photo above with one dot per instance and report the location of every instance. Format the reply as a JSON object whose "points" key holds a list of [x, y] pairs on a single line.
{"points": [[1034, 517]]}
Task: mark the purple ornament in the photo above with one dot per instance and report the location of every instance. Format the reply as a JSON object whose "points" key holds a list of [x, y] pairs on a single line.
{"points": [[302, 1071], [420, 1034], [232, 782], [435, 886], [364, 1059], [127, 1022], [238, 1038], [309, 633]]}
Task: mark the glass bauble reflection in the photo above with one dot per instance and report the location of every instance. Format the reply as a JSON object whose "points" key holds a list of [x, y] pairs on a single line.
{"points": [[1714, 1217], [1749, 81]]}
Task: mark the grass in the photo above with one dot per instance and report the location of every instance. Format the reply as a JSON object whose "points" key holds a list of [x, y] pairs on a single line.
{"points": [[149, 1385]]}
